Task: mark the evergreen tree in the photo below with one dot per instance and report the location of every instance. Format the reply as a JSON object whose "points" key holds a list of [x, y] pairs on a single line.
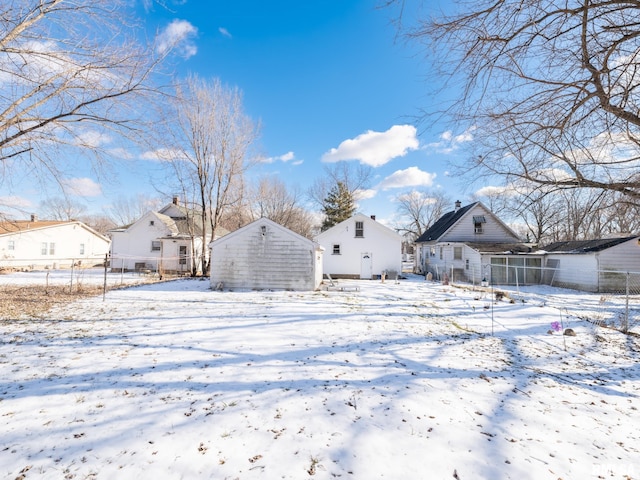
{"points": [[338, 206]]}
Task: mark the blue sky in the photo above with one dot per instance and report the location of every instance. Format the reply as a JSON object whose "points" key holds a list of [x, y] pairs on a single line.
{"points": [[327, 79]]}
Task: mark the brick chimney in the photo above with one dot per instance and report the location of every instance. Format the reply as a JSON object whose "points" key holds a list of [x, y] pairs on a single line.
{"points": [[176, 200], [373, 217], [458, 205], [34, 217]]}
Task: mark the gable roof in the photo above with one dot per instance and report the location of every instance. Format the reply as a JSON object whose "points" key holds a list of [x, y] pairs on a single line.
{"points": [[586, 246], [444, 223], [18, 226], [263, 221], [364, 218]]}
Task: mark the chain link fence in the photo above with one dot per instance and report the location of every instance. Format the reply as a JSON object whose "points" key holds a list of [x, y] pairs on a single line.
{"points": [[604, 297]]}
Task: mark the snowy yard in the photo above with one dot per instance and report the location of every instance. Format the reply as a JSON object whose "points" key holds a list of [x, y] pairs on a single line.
{"points": [[397, 381]]}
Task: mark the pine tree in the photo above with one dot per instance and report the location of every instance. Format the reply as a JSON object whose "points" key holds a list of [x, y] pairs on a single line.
{"points": [[338, 206]]}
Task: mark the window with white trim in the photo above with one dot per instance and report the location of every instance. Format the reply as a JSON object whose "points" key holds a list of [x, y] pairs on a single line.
{"points": [[359, 229], [457, 253], [155, 246], [336, 249]]}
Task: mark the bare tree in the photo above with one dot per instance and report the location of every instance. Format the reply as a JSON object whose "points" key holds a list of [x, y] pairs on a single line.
{"points": [[126, 210], [418, 210], [208, 146], [355, 178], [71, 74], [61, 208], [552, 88], [271, 199]]}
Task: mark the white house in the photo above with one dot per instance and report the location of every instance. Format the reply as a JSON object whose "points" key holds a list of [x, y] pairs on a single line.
{"points": [[50, 244], [472, 244], [265, 255], [169, 240], [361, 247], [599, 265]]}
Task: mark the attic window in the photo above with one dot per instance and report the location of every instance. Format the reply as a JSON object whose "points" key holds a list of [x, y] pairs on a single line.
{"points": [[152, 223], [359, 229], [336, 249], [478, 220]]}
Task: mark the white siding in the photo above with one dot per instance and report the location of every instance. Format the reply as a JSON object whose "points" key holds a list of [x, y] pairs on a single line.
{"points": [[279, 259], [382, 244], [68, 239], [492, 231], [577, 271]]}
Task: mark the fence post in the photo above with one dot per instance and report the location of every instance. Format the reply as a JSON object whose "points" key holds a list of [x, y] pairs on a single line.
{"points": [[104, 286], [625, 321]]}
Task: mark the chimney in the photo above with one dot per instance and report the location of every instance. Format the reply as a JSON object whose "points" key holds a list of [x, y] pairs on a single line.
{"points": [[34, 217], [176, 200], [458, 205], [373, 217]]}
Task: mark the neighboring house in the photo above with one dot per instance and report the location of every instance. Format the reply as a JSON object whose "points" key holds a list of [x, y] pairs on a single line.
{"points": [[50, 244], [264, 255], [361, 247], [593, 265], [167, 241], [472, 244]]}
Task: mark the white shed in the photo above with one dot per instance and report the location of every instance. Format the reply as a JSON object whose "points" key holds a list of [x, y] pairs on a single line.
{"points": [[599, 265], [361, 247], [264, 255]]}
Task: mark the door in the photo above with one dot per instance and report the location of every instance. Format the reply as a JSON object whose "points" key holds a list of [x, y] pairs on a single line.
{"points": [[366, 266]]}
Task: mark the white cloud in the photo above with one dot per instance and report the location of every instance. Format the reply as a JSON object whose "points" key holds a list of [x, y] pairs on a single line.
{"points": [[225, 32], [376, 148], [409, 177], [287, 157], [178, 35], [84, 187], [162, 155], [93, 139], [494, 191], [365, 194], [13, 201], [449, 142]]}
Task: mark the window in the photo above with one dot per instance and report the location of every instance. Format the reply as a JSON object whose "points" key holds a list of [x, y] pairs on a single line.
{"points": [[183, 255], [466, 264], [478, 220], [48, 248], [82, 249], [152, 223], [359, 229], [52, 248], [155, 246], [432, 251], [440, 253], [336, 249], [457, 253], [43, 248], [11, 245]]}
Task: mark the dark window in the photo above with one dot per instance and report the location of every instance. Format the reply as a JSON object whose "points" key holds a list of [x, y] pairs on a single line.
{"points": [[183, 254], [336, 249], [478, 220], [155, 246], [359, 229]]}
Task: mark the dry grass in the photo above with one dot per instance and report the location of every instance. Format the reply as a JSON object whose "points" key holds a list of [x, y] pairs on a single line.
{"points": [[34, 301]]}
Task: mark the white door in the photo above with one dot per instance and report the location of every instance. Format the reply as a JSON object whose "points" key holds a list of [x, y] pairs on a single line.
{"points": [[366, 266]]}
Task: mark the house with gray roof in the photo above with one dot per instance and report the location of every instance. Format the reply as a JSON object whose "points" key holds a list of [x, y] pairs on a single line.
{"points": [[472, 244]]}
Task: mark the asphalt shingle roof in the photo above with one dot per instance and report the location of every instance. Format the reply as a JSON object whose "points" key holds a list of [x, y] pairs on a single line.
{"points": [[443, 224]]}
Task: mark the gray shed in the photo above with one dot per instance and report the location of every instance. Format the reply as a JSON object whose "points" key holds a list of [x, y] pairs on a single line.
{"points": [[264, 255]]}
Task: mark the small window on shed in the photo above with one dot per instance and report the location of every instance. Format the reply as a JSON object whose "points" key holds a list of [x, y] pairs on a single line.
{"points": [[155, 246], [457, 253], [359, 229], [336, 249], [152, 223], [81, 249], [11, 245]]}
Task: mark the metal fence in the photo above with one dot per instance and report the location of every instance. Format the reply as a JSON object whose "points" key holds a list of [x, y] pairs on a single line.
{"points": [[604, 297]]}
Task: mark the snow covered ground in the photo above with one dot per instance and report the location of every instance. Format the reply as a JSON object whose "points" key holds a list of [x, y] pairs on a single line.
{"points": [[396, 381]]}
